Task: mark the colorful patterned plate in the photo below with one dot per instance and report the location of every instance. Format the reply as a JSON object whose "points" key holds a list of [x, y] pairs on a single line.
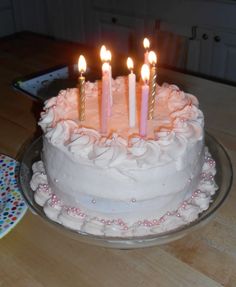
{"points": [[12, 205]]}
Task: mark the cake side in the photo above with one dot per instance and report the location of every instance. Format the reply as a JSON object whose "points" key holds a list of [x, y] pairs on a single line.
{"points": [[83, 220]]}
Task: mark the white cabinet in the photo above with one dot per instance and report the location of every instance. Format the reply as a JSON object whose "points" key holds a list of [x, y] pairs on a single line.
{"points": [[116, 26], [120, 33], [217, 56], [121, 25], [207, 51]]}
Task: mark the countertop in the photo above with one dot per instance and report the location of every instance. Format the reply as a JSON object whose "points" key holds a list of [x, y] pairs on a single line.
{"points": [[35, 254]]}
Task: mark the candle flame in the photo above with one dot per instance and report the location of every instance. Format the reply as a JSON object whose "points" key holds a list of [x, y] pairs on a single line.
{"points": [[130, 63], [103, 53], [152, 57], [105, 67], [145, 72], [82, 64], [146, 43], [108, 55]]}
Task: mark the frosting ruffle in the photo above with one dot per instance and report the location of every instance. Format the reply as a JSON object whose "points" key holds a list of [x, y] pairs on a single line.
{"points": [[60, 125]]}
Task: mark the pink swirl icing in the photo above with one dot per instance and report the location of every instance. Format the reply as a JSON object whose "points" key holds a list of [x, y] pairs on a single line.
{"points": [[61, 127]]}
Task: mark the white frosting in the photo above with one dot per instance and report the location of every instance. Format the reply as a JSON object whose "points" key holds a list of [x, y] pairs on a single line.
{"points": [[85, 221], [122, 176]]}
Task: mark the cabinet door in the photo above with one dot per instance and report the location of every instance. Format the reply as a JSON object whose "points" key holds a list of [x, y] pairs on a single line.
{"points": [[173, 45], [224, 56], [124, 34], [204, 38], [217, 55]]}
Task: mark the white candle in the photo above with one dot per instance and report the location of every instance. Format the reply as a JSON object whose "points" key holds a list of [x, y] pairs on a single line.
{"points": [[145, 72], [105, 97], [132, 93], [146, 45]]}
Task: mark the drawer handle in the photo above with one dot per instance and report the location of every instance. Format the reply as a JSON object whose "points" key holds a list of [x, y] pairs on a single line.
{"points": [[217, 38], [205, 36], [114, 20]]}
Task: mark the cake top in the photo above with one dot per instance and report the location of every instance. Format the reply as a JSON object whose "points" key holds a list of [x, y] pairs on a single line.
{"points": [[177, 120]]}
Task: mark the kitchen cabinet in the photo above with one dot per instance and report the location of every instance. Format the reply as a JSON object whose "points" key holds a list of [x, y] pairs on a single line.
{"points": [[217, 53], [116, 26], [121, 25]]}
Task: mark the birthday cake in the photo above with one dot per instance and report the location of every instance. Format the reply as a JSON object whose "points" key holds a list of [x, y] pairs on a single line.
{"points": [[120, 183]]}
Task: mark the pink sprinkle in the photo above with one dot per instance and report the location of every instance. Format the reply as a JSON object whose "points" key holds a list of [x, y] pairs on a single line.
{"points": [[162, 219], [155, 221]]}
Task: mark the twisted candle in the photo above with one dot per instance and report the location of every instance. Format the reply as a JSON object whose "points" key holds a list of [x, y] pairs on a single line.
{"points": [[81, 98], [152, 93], [81, 87]]}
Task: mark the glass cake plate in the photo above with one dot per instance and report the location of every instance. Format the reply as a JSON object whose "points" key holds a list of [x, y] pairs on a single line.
{"points": [[223, 179]]}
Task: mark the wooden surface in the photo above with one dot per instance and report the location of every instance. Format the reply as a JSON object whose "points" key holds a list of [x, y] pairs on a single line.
{"points": [[34, 254]]}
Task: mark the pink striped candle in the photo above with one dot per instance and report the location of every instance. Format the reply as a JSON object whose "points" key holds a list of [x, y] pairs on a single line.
{"points": [[132, 93], [145, 73], [105, 97], [110, 99]]}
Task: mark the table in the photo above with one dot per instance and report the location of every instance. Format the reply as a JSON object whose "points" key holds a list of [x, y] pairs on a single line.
{"points": [[34, 254]]}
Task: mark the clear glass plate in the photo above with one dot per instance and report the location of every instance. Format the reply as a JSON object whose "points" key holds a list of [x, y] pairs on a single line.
{"points": [[223, 179]]}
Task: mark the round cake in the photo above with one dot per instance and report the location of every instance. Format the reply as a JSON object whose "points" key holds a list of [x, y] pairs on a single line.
{"points": [[119, 183]]}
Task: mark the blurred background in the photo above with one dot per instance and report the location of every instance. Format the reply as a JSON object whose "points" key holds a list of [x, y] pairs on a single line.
{"points": [[197, 36]]}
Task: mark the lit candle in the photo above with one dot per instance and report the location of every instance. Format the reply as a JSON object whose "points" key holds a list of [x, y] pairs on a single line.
{"points": [[105, 97], [105, 56], [146, 45], [110, 100], [81, 87], [132, 93], [103, 52], [152, 58], [145, 73]]}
